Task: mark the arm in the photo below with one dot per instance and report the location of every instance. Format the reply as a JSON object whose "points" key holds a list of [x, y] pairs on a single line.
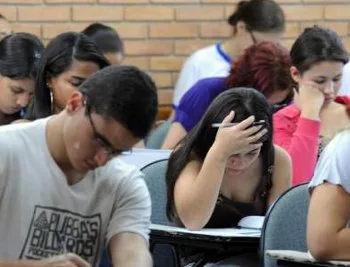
{"points": [[282, 175], [301, 145], [129, 249], [66, 260], [327, 235], [175, 134], [128, 229]]}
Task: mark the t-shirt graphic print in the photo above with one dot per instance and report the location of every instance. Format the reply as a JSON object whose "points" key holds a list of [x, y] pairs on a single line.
{"points": [[55, 231]]}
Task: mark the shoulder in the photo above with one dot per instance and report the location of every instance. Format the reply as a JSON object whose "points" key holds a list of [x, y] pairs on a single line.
{"points": [[202, 55], [282, 164], [333, 165], [281, 156], [207, 86], [290, 112]]}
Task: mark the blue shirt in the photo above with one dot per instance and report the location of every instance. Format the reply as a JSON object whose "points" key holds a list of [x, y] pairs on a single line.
{"points": [[197, 99]]}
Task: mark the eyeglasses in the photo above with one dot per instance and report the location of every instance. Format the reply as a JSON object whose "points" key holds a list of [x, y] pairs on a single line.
{"points": [[102, 141]]}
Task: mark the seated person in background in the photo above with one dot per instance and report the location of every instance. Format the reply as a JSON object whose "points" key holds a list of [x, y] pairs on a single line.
{"points": [[19, 56], [108, 40], [69, 188], [5, 27], [264, 66], [304, 128], [69, 59], [328, 235], [253, 21], [217, 176]]}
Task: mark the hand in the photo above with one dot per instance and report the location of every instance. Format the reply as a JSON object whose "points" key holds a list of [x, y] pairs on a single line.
{"points": [[239, 138], [310, 99], [65, 260]]}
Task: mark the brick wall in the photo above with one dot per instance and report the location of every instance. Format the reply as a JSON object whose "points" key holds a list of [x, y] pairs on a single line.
{"points": [[159, 34]]}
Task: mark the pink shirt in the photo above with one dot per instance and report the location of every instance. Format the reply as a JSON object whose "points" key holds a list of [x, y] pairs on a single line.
{"points": [[300, 137]]}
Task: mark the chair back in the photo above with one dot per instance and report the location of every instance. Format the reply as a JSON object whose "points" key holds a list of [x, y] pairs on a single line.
{"points": [[285, 223]]}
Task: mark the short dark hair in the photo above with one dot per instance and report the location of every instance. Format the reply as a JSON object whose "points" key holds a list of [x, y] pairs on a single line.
{"points": [[259, 15], [58, 58], [125, 94], [244, 102], [317, 44], [106, 38], [19, 55]]}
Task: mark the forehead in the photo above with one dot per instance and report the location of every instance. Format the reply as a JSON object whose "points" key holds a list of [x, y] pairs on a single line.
{"points": [[81, 69], [325, 68], [26, 84]]}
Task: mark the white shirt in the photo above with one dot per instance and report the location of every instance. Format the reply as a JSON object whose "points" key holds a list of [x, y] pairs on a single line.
{"points": [[345, 83], [37, 205], [333, 165], [207, 62]]}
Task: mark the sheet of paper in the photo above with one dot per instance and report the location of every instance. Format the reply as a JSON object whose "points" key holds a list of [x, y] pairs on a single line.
{"points": [[299, 256], [222, 232]]}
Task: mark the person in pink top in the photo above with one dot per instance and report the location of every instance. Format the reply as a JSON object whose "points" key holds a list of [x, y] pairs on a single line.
{"points": [[317, 115]]}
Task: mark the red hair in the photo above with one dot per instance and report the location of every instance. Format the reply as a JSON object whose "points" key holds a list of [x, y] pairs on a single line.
{"points": [[264, 66]]}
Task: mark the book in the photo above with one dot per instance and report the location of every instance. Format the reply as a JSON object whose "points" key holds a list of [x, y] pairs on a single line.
{"points": [[213, 232], [302, 257]]}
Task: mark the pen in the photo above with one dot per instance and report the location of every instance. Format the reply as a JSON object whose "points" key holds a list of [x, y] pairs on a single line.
{"points": [[229, 124], [62, 242]]}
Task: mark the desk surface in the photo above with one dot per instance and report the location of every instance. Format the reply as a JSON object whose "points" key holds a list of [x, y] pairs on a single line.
{"points": [[291, 263]]}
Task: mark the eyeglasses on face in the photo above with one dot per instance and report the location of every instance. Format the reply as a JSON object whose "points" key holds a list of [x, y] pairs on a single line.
{"points": [[100, 139]]}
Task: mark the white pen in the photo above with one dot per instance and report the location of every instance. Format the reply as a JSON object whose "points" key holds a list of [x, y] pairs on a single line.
{"points": [[223, 125], [229, 124]]}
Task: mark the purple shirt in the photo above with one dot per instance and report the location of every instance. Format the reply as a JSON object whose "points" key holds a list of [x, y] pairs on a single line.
{"points": [[197, 99]]}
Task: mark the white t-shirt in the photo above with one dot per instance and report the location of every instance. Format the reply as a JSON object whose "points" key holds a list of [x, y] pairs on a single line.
{"points": [[207, 62], [333, 165], [345, 83], [36, 203]]}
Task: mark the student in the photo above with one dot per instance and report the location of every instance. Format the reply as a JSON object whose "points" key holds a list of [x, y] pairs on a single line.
{"points": [[217, 176], [5, 27], [69, 193], [252, 22], [108, 40], [19, 56], [328, 235], [69, 59], [264, 66], [304, 128]]}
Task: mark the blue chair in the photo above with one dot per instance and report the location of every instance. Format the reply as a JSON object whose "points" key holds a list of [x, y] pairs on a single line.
{"points": [[163, 254], [285, 223], [157, 136]]}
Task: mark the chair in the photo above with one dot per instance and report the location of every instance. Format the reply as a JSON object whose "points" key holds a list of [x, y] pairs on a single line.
{"points": [[163, 254], [157, 136], [285, 224]]}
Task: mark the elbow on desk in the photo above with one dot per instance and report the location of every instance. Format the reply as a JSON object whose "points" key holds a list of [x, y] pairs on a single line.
{"points": [[322, 251], [192, 224]]}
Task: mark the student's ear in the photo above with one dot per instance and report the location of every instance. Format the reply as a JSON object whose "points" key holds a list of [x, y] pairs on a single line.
{"points": [[75, 102], [294, 72], [241, 28]]}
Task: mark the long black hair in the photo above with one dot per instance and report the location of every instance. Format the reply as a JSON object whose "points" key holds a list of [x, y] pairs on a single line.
{"points": [[58, 58], [245, 102]]}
